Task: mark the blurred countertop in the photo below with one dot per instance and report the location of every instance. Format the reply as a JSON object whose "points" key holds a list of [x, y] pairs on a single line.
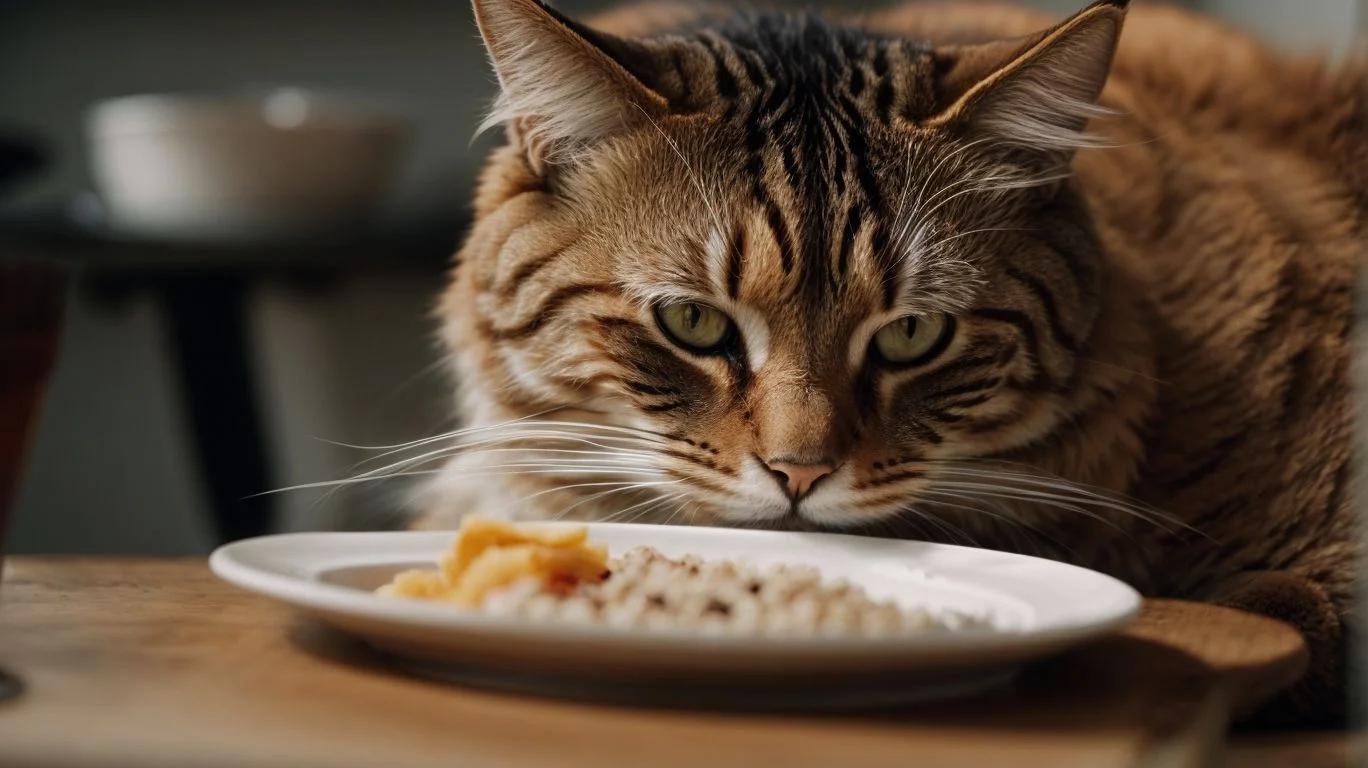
{"points": [[57, 234]]}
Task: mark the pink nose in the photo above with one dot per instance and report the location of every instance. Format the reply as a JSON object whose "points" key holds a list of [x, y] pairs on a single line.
{"points": [[798, 479]]}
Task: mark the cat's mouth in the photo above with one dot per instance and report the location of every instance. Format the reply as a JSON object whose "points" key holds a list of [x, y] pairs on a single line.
{"points": [[738, 517], [756, 500], [828, 506]]}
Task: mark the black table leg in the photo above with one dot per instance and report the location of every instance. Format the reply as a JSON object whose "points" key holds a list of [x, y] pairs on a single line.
{"points": [[208, 322]]}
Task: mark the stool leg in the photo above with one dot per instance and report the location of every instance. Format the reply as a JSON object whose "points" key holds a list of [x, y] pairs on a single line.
{"points": [[207, 315]]}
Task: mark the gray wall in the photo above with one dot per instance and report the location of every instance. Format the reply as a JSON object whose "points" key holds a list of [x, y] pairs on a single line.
{"points": [[1298, 25], [111, 470]]}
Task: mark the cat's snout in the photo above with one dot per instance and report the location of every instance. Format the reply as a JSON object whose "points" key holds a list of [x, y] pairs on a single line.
{"points": [[798, 479]]}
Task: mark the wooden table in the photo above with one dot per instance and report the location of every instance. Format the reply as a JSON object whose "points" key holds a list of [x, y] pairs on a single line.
{"points": [[137, 662]]}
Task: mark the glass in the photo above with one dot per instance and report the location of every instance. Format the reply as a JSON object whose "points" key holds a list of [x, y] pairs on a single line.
{"points": [[32, 298]]}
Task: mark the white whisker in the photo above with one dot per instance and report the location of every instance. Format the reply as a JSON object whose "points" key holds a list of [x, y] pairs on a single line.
{"points": [[1046, 499], [449, 435], [463, 448], [693, 177], [918, 206], [602, 494], [938, 499], [617, 486], [1072, 491], [483, 471]]}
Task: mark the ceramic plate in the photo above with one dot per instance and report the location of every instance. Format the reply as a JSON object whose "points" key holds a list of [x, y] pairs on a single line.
{"points": [[1039, 608]]}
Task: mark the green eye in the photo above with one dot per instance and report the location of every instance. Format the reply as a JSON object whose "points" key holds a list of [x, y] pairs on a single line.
{"points": [[912, 339], [695, 327]]}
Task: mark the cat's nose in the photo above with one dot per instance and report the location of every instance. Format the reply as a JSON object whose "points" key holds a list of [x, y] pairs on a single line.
{"points": [[797, 479]]}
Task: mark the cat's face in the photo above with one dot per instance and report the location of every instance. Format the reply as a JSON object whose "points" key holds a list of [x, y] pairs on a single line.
{"points": [[798, 306]]}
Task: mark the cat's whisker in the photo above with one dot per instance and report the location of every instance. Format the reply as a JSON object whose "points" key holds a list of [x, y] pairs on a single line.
{"points": [[622, 514], [953, 532], [398, 447], [1054, 501], [601, 430], [941, 243], [480, 471], [529, 427], [339, 483], [916, 217], [646, 510], [570, 469], [514, 437], [955, 155], [986, 185], [427, 370], [631, 488], [676, 499], [577, 465], [1075, 492], [603, 494], [907, 181], [613, 487], [939, 499], [693, 177], [997, 181], [570, 451]]}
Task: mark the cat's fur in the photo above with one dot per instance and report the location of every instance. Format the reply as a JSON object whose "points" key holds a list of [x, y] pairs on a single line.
{"points": [[1166, 329]]}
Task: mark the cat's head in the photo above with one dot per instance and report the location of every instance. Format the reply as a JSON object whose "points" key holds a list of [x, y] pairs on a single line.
{"points": [[797, 266]]}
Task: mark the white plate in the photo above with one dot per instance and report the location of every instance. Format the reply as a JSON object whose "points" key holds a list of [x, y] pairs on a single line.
{"points": [[1040, 607]]}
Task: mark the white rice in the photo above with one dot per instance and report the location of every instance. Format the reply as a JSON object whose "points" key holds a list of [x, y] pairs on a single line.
{"points": [[647, 590]]}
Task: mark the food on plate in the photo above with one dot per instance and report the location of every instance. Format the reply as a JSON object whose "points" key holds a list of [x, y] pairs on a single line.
{"points": [[542, 574], [490, 554]]}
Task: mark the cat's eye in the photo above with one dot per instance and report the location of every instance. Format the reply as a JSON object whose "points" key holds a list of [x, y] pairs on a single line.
{"points": [[913, 339], [698, 328]]}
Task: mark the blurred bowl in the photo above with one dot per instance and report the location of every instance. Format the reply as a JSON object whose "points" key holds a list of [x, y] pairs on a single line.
{"points": [[287, 163]]}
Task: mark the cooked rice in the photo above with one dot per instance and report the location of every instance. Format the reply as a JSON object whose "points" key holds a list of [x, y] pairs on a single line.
{"points": [[647, 590]]}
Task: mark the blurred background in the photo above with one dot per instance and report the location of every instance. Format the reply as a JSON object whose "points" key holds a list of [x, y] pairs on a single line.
{"points": [[195, 369]]}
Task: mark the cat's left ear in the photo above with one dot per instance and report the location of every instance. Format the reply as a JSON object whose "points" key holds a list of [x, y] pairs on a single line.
{"points": [[1036, 93], [564, 85]]}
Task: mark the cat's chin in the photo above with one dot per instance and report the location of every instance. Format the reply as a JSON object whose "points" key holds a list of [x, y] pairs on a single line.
{"points": [[815, 521]]}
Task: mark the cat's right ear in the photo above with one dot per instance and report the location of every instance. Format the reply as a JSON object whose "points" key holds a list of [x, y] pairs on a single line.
{"points": [[564, 86]]}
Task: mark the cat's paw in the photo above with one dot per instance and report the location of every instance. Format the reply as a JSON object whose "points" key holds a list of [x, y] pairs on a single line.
{"points": [[1318, 699]]}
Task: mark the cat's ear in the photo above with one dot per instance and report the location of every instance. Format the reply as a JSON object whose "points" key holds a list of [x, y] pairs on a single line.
{"points": [[1036, 93], [564, 86]]}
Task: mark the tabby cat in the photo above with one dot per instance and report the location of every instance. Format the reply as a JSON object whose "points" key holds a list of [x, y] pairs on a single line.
{"points": [[926, 272]]}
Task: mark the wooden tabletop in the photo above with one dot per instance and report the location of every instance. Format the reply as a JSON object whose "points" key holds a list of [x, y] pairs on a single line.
{"points": [[137, 662]]}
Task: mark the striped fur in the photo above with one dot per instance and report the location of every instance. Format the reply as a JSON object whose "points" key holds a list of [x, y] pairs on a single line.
{"points": [[1149, 367]]}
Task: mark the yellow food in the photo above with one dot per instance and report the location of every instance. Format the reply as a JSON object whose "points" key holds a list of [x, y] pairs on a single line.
{"points": [[424, 584], [489, 555], [479, 534]]}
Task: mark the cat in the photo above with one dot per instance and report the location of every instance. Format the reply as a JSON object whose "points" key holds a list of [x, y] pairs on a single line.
{"points": [[942, 270]]}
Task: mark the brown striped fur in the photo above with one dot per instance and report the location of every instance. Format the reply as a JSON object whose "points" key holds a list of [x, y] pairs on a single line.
{"points": [[1149, 369]]}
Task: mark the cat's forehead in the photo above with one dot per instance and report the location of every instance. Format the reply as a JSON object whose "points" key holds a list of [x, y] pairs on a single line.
{"points": [[773, 66], [815, 255], [796, 202], [793, 48]]}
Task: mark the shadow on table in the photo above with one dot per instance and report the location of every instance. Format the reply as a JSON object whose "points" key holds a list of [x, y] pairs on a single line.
{"points": [[1121, 683]]}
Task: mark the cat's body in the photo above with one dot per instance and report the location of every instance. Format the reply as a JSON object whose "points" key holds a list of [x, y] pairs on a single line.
{"points": [[1171, 325]]}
